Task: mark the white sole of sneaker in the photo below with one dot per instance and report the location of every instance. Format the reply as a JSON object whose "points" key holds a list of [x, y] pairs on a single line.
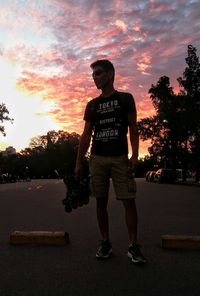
{"points": [[104, 257], [135, 261]]}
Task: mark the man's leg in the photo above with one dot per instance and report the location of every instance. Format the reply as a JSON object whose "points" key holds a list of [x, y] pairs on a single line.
{"points": [[105, 249], [131, 219], [100, 181], [134, 252], [102, 217]]}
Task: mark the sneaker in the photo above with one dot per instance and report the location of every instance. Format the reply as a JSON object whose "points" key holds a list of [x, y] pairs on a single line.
{"points": [[135, 254], [104, 250]]}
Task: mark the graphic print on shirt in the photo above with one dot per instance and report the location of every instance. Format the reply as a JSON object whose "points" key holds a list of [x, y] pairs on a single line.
{"points": [[108, 123], [109, 119]]}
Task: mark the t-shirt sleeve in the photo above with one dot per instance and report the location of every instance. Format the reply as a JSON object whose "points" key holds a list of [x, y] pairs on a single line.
{"points": [[131, 108], [89, 112]]}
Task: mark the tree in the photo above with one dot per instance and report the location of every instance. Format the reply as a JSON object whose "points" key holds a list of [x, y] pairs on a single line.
{"points": [[160, 128], [4, 117], [190, 83], [175, 128], [191, 76], [53, 151]]}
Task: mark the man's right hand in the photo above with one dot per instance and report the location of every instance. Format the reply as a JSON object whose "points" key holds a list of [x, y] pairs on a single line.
{"points": [[83, 147]]}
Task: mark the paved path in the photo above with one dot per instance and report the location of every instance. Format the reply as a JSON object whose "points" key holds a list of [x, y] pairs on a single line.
{"points": [[73, 270]]}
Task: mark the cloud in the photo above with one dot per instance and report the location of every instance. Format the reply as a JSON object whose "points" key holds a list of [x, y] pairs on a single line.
{"points": [[144, 64], [120, 24], [54, 42]]}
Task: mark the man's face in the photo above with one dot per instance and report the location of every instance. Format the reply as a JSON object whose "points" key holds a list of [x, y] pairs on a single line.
{"points": [[101, 77]]}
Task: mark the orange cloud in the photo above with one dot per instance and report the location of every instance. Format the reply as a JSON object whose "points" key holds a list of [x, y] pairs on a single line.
{"points": [[144, 39], [120, 24], [144, 63]]}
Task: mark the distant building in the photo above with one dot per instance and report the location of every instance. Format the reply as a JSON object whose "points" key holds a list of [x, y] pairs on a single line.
{"points": [[9, 151]]}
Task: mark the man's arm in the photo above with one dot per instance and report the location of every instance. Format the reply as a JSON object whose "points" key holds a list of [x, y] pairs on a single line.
{"points": [[83, 146], [134, 140]]}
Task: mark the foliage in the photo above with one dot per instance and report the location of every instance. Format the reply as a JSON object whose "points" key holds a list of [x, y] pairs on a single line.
{"points": [[4, 117], [174, 130], [190, 82], [48, 156]]}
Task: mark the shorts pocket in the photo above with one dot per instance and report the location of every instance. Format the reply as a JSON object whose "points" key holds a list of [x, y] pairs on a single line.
{"points": [[132, 187]]}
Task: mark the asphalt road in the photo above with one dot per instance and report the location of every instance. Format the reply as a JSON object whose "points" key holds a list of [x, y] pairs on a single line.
{"points": [[73, 269]]}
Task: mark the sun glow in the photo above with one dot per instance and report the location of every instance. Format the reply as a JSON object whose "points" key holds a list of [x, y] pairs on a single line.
{"points": [[30, 113]]}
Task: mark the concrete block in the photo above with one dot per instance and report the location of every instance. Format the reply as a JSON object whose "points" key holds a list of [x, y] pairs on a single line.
{"points": [[39, 238], [180, 241]]}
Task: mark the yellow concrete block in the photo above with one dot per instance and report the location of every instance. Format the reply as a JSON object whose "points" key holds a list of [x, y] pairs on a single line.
{"points": [[180, 241], [39, 238]]}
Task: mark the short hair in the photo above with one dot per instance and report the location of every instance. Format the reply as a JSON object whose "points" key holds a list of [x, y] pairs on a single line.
{"points": [[105, 64]]}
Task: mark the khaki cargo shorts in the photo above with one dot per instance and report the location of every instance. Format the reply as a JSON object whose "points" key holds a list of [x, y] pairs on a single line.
{"points": [[104, 168]]}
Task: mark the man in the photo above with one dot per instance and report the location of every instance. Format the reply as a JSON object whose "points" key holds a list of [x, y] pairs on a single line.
{"points": [[107, 119]]}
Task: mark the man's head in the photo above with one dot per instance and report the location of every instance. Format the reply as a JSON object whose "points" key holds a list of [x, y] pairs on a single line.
{"points": [[103, 73]]}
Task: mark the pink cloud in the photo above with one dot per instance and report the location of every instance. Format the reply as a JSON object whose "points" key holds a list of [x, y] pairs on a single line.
{"points": [[55, 41]]}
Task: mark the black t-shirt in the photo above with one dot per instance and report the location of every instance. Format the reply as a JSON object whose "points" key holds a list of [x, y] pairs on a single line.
{"points": [[109, 118]]}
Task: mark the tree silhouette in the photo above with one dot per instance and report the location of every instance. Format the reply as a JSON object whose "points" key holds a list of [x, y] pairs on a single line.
{"points": [[190, 83], [52, 153], [175, 128], [161, 127], [4, 117]]}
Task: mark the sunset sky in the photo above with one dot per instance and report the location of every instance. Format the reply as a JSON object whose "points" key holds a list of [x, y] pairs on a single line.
{"points": [[47, 46]]}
